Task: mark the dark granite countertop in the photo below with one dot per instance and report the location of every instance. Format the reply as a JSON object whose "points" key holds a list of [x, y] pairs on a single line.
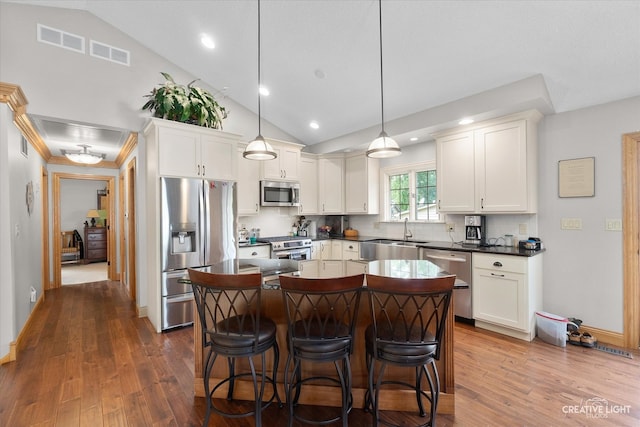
{"points": [[451, 246]]}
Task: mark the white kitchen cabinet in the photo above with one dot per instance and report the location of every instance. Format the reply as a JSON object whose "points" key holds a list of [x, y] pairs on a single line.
{"points": [[260, 251], [285, 167], [350, 250], [194, 152], [324, 249], [309, 269], [362, 185], [308, 186], [315, 249], [331, 185], [456, 173], [490, 167], [331, 268], [336, 249], [506, 293], [355, 267], [248, 185]]}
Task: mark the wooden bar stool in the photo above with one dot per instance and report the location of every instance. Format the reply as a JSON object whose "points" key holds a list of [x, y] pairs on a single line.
{"points": [[232, 327], [321, 319], [409, 317]]}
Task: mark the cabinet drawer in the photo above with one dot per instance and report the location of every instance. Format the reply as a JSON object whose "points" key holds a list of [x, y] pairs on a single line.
{"points": [[96, 236], [246, 252], [96, 244], [96, 253], [513, 264]]}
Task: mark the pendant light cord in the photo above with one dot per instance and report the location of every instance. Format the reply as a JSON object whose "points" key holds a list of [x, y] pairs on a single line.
{"points": [[259, 76], [381, 75]]}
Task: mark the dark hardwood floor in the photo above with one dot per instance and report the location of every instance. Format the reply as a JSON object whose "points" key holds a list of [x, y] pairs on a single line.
{"points": [[87, 360]]}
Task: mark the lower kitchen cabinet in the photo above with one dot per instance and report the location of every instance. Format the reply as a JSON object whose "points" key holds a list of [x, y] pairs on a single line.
{"points": [[350, 250], [260, 251], [321, 268], [506, 293]]}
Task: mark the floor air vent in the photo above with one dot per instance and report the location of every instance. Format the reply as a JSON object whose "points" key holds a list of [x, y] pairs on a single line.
{"points": [[110, 53], [615, 351], [60, 38]]}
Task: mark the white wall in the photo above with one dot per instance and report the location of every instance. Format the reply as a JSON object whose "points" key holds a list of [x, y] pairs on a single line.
{"points": [[583, 268], [20, 233], [77, 196]]}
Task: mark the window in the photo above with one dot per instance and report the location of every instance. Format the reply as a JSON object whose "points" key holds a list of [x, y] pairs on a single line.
{"points": [[410, 192]]}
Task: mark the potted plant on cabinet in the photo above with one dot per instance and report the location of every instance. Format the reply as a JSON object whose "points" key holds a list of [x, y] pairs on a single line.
{"points": [[186, 104]]}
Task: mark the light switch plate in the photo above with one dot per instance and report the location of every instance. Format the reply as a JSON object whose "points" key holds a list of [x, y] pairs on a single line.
{"points": [[613, 224], [571, 224]]}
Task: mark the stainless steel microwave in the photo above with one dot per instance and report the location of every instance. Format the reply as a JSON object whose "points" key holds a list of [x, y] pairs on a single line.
{"points": [[279, 193]]}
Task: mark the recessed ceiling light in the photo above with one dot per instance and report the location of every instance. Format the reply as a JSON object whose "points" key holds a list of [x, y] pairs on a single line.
{"points": [[319, 73], [314, 125], [466, 121], [207, 41], [415, 138], [264, 91]]}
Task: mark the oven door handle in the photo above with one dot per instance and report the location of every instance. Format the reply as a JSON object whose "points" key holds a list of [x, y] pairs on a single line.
{"points": [[282, 254], [447, 258]]}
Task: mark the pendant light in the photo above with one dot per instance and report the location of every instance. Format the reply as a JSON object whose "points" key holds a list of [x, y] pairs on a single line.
{"points": [[259, 149], [383, 146]]}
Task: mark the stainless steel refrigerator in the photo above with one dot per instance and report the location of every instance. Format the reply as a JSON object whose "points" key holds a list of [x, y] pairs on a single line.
{"points": [[198, 229]]}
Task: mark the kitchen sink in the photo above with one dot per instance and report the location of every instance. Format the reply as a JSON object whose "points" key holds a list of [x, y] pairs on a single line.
{"points": [[389, 249]]}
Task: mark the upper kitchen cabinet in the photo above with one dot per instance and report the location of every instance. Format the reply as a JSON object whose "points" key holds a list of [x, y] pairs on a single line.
{"points": [[456, 176], [248, 185], [362, 185], [490, 168], [191, 151], [308, 186], [331, 185], [285, 167]]}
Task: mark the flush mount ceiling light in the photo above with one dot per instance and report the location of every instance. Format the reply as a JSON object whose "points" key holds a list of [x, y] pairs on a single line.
{"points": [[259, 149], [83, 156], [383, 146], [207, 41]]}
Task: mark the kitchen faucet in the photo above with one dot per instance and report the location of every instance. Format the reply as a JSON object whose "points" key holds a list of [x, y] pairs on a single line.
{"points": [[407, 233]]}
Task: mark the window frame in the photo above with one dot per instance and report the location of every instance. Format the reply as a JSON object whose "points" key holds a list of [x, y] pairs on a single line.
{"points": [[411, 169]]}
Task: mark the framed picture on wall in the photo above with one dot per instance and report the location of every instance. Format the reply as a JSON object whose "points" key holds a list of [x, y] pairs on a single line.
{"points": [[576, 177]]}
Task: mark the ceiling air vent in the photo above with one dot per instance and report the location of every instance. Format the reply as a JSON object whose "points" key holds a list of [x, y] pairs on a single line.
{"points": [[110, 53], [60, 38]]}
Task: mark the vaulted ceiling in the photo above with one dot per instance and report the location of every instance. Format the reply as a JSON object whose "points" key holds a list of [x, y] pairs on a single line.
{"points": [[320, 58]]}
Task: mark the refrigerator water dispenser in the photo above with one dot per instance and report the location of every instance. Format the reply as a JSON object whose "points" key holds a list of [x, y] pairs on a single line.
{"points": [[183, 241]]}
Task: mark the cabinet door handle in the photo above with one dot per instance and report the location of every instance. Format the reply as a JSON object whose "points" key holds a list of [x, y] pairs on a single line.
{"points": [[323, 207], [482, 203], [285, 173], [203, 173], [497, 275], [256, 207], [198, 170], [365, 206], [438, 203], [301, 208], [497, 264], [254, 253]]}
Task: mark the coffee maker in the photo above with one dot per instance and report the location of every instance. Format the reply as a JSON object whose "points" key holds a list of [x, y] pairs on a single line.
{"points": [[475, 230]]}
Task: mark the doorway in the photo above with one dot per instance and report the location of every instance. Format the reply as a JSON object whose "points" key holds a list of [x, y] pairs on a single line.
{"points": [[57, 232]]}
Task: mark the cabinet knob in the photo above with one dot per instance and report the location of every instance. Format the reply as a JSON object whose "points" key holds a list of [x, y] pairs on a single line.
{"points": [[497, 264]]}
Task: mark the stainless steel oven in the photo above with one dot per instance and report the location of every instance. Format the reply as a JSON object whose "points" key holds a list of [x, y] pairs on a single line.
{"points": [[289, 247]]}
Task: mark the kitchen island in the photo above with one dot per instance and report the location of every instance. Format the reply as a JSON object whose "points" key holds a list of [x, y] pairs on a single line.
{"points": [[272, 304]]}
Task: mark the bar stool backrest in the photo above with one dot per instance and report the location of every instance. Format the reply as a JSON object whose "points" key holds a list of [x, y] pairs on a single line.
{"points": [[228, 307], [322, 309], [414, 310]]}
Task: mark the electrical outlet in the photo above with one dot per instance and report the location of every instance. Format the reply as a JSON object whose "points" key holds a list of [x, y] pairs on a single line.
{"points": [[450, 226], [522, 229]]}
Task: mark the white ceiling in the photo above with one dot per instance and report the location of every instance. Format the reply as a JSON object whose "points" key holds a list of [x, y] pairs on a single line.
{"points": [[435, 52]]}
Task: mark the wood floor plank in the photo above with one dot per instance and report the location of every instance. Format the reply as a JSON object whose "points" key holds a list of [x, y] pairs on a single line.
{"points": [[88, 360]]}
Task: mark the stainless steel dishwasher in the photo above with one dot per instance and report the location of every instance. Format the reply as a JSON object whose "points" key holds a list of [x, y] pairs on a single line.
{"points": [[458, 263]]}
